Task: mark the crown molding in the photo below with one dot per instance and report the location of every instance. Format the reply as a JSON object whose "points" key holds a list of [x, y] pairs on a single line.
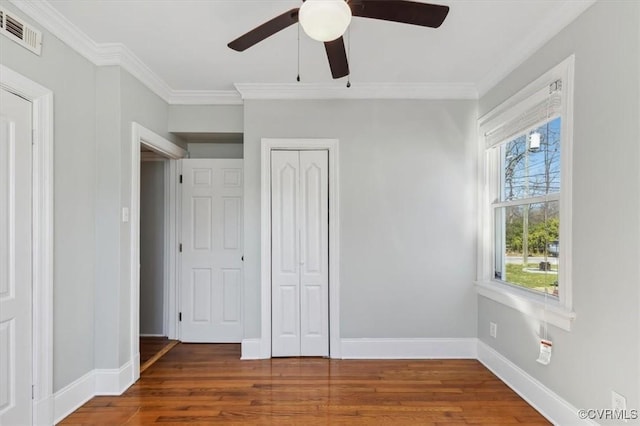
{"points": [[357, 91], [562, 16], [119, 54]]}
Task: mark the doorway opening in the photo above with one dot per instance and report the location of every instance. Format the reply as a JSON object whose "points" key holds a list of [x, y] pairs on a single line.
{"points": [[157, 255], [154, 340]]}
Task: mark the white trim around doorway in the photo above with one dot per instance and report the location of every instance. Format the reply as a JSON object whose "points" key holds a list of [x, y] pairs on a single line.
{"points": [[331, 145], [143, 136], [42, 305]]}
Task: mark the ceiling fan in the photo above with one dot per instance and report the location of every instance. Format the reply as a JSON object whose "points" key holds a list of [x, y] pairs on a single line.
{"points": [[327, 20]]}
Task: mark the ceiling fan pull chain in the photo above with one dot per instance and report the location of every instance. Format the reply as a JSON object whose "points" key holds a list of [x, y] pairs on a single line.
{"points": [[298, 77], [349, 55]]}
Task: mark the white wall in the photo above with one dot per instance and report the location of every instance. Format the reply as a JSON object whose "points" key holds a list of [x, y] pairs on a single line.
{"points": [[152, 247], [72, 79], [407, 219], [601, 353]]}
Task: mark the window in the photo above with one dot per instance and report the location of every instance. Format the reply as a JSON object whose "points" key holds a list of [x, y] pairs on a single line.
{"points": [[526, 210], [525, 229]]}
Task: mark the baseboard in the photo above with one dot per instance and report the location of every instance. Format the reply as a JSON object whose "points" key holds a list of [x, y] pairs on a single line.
{"points": [[151, 335], [251, 349], [113, 381], [43, 412], [409, 348], [96, 382], [136, 368], [548, 403], [72, 396]]}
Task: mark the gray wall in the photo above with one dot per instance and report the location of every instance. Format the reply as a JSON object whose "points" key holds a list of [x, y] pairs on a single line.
{"points": [[215, 150], [121, 100], [107, 199], [151, 247], [72, 79], [206, 118], [601, 353], [406, 189]]}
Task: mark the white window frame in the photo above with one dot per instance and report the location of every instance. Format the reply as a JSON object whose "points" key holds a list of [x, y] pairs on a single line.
{"points": [[555, 311]]}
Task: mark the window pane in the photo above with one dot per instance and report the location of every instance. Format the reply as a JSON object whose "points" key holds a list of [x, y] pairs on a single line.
{"points": [[528, 246], [531, 163]]}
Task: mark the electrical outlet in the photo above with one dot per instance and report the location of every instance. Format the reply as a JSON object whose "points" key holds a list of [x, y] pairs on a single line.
{"points": [[618, 402], [493, 329]]}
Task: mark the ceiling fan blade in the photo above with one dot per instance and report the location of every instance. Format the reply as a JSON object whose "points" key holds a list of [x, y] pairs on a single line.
{"points": [[407, 12], [337, 56], [265, 30]]}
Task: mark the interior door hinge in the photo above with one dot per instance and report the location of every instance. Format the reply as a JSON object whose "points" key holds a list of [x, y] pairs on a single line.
{"points": [[180, 178], [180, 316], [180, 247], [33, 391]]}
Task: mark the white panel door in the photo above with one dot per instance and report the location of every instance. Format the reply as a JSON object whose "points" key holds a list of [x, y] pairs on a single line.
{"points": [[299, 253], [15, 260], [314, 253], [285, 257], [211, 257]]}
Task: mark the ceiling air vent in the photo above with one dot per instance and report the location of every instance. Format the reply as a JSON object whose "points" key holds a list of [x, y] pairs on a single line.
{"points": [[17, 30]]}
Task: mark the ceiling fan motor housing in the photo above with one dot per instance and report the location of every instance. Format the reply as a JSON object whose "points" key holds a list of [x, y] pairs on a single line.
{"points": [[324, 20]]}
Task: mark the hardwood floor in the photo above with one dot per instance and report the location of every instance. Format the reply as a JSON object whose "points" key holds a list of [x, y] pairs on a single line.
{"points": [[152, 349], [207, 384]]}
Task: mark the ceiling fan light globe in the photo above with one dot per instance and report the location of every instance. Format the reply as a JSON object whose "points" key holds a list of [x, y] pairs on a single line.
{"points": [[324, 20]]}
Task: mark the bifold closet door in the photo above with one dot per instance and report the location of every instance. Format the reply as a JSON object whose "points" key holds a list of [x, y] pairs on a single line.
{"points": [[300, 253]]}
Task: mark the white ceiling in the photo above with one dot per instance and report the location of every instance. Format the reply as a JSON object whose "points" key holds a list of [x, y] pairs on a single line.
{"points": [[184, 42]]}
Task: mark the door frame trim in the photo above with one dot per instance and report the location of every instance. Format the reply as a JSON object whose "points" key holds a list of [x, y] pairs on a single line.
{"points": [[41, 99], [331, 145], [140, 135]]}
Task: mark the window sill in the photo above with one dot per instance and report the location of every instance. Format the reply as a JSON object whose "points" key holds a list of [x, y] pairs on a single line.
{"points": [[529, 304]]}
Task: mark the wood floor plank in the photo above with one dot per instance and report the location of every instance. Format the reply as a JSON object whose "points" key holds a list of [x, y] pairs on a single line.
{"points": [[200, 384]]}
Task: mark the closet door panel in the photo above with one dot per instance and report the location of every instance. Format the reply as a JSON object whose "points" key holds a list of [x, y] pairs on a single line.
{"points": [[285, 257], [314, 255]]}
